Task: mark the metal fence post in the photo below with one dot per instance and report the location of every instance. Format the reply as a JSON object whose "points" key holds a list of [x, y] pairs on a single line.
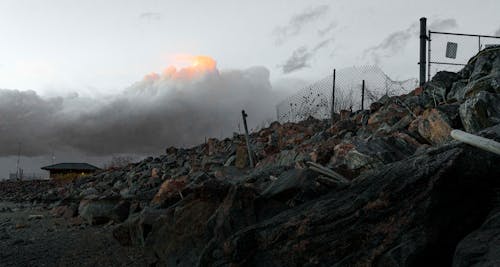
{"points": [[423, 42], [247, 138], [363, 95], [333, 98], [429, 40]]}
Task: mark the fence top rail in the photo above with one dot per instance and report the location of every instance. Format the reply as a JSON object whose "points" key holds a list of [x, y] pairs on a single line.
{"points": [[465, 34], [447, 63]]}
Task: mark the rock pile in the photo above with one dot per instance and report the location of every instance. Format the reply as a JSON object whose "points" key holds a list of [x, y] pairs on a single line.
{"points": [[414, 197]]}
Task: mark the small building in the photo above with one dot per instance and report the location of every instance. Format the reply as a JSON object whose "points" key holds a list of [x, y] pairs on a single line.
{"points": [[69, 170]]}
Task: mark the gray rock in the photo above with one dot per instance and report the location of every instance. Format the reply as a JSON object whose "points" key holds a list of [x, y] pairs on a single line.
{"points": [[480, 111], [288, 182], [440, 85], [457, 91], [137, 227], [103, 211]]}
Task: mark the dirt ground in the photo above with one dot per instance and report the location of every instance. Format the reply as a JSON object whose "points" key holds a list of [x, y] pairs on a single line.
{"points": [[30, 236]]}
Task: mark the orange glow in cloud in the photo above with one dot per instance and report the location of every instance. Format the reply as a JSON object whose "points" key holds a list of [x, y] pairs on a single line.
{"points": [[192, 67], [152, 76]]}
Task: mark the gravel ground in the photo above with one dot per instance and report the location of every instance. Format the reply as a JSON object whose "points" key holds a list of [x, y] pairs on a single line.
{"points": [[30, 236]]}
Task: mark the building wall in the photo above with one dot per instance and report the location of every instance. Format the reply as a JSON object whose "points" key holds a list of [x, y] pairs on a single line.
{"points": [[67, 175]]}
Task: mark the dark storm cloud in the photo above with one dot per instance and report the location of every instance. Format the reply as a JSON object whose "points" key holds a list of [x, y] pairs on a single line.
{"points": [[298, 60], [322, 44], [297, 22], [27, 118], [397, 41], [301, 57], [145, 118]]}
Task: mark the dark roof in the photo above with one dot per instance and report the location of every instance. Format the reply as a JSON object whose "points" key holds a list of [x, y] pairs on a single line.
{"points": [[71, 166]]}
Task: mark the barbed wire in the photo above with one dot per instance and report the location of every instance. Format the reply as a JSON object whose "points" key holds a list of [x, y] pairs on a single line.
{"points": [[315, 100]]}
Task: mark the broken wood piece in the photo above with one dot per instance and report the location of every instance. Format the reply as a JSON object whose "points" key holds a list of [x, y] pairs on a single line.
{"points": [[477, 141], [328, 174], [327, 171]]}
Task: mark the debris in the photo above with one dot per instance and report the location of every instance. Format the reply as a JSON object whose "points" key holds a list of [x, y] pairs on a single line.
{"points": [[328, 172]]}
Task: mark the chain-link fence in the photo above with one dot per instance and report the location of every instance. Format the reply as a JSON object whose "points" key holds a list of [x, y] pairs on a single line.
{"points": [[315, 100], [451, 51]]}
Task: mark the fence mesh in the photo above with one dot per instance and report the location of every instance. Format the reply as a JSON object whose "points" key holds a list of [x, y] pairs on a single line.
{"points": [[315, 99], [466, 47]]}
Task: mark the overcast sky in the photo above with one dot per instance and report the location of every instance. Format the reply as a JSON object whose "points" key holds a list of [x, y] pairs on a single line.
{"points": [[57, 46], [97, 48]]}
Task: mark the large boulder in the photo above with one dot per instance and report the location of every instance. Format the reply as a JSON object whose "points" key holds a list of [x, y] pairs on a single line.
{"points": [[480, 111], [440, 85], [436, 124], [485, 63], [482, 73], [179, 237], [389, 114], [462, 90], [137, 227], [170, 191], [101, 211], [362, 154]]}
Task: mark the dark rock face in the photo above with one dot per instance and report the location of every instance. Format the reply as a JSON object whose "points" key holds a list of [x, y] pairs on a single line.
{"points": [[402, 215], [137, 227], [103, 211], [480, 111], [179, 237], [441, 84], [481, 247]]}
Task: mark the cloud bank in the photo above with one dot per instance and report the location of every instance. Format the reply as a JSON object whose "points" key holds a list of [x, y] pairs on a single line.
{"points": [[175, 107], [298, 22], [302, 56]]}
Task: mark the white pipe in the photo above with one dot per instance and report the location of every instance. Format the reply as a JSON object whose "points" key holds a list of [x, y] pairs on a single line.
{"points": [[477, 141]]}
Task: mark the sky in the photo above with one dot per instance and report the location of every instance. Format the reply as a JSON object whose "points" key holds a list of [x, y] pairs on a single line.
{"points": [[83, 64]]}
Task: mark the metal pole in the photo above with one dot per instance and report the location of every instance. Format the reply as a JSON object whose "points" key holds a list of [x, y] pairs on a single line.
{"points": [[429, 60], [479, 41], [363, 95], [244, 115], [333, 98], [423, 40], [18, 172]]}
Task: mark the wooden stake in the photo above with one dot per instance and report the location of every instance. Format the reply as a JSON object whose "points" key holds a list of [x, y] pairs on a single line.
{"points": [[250, 158]]}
